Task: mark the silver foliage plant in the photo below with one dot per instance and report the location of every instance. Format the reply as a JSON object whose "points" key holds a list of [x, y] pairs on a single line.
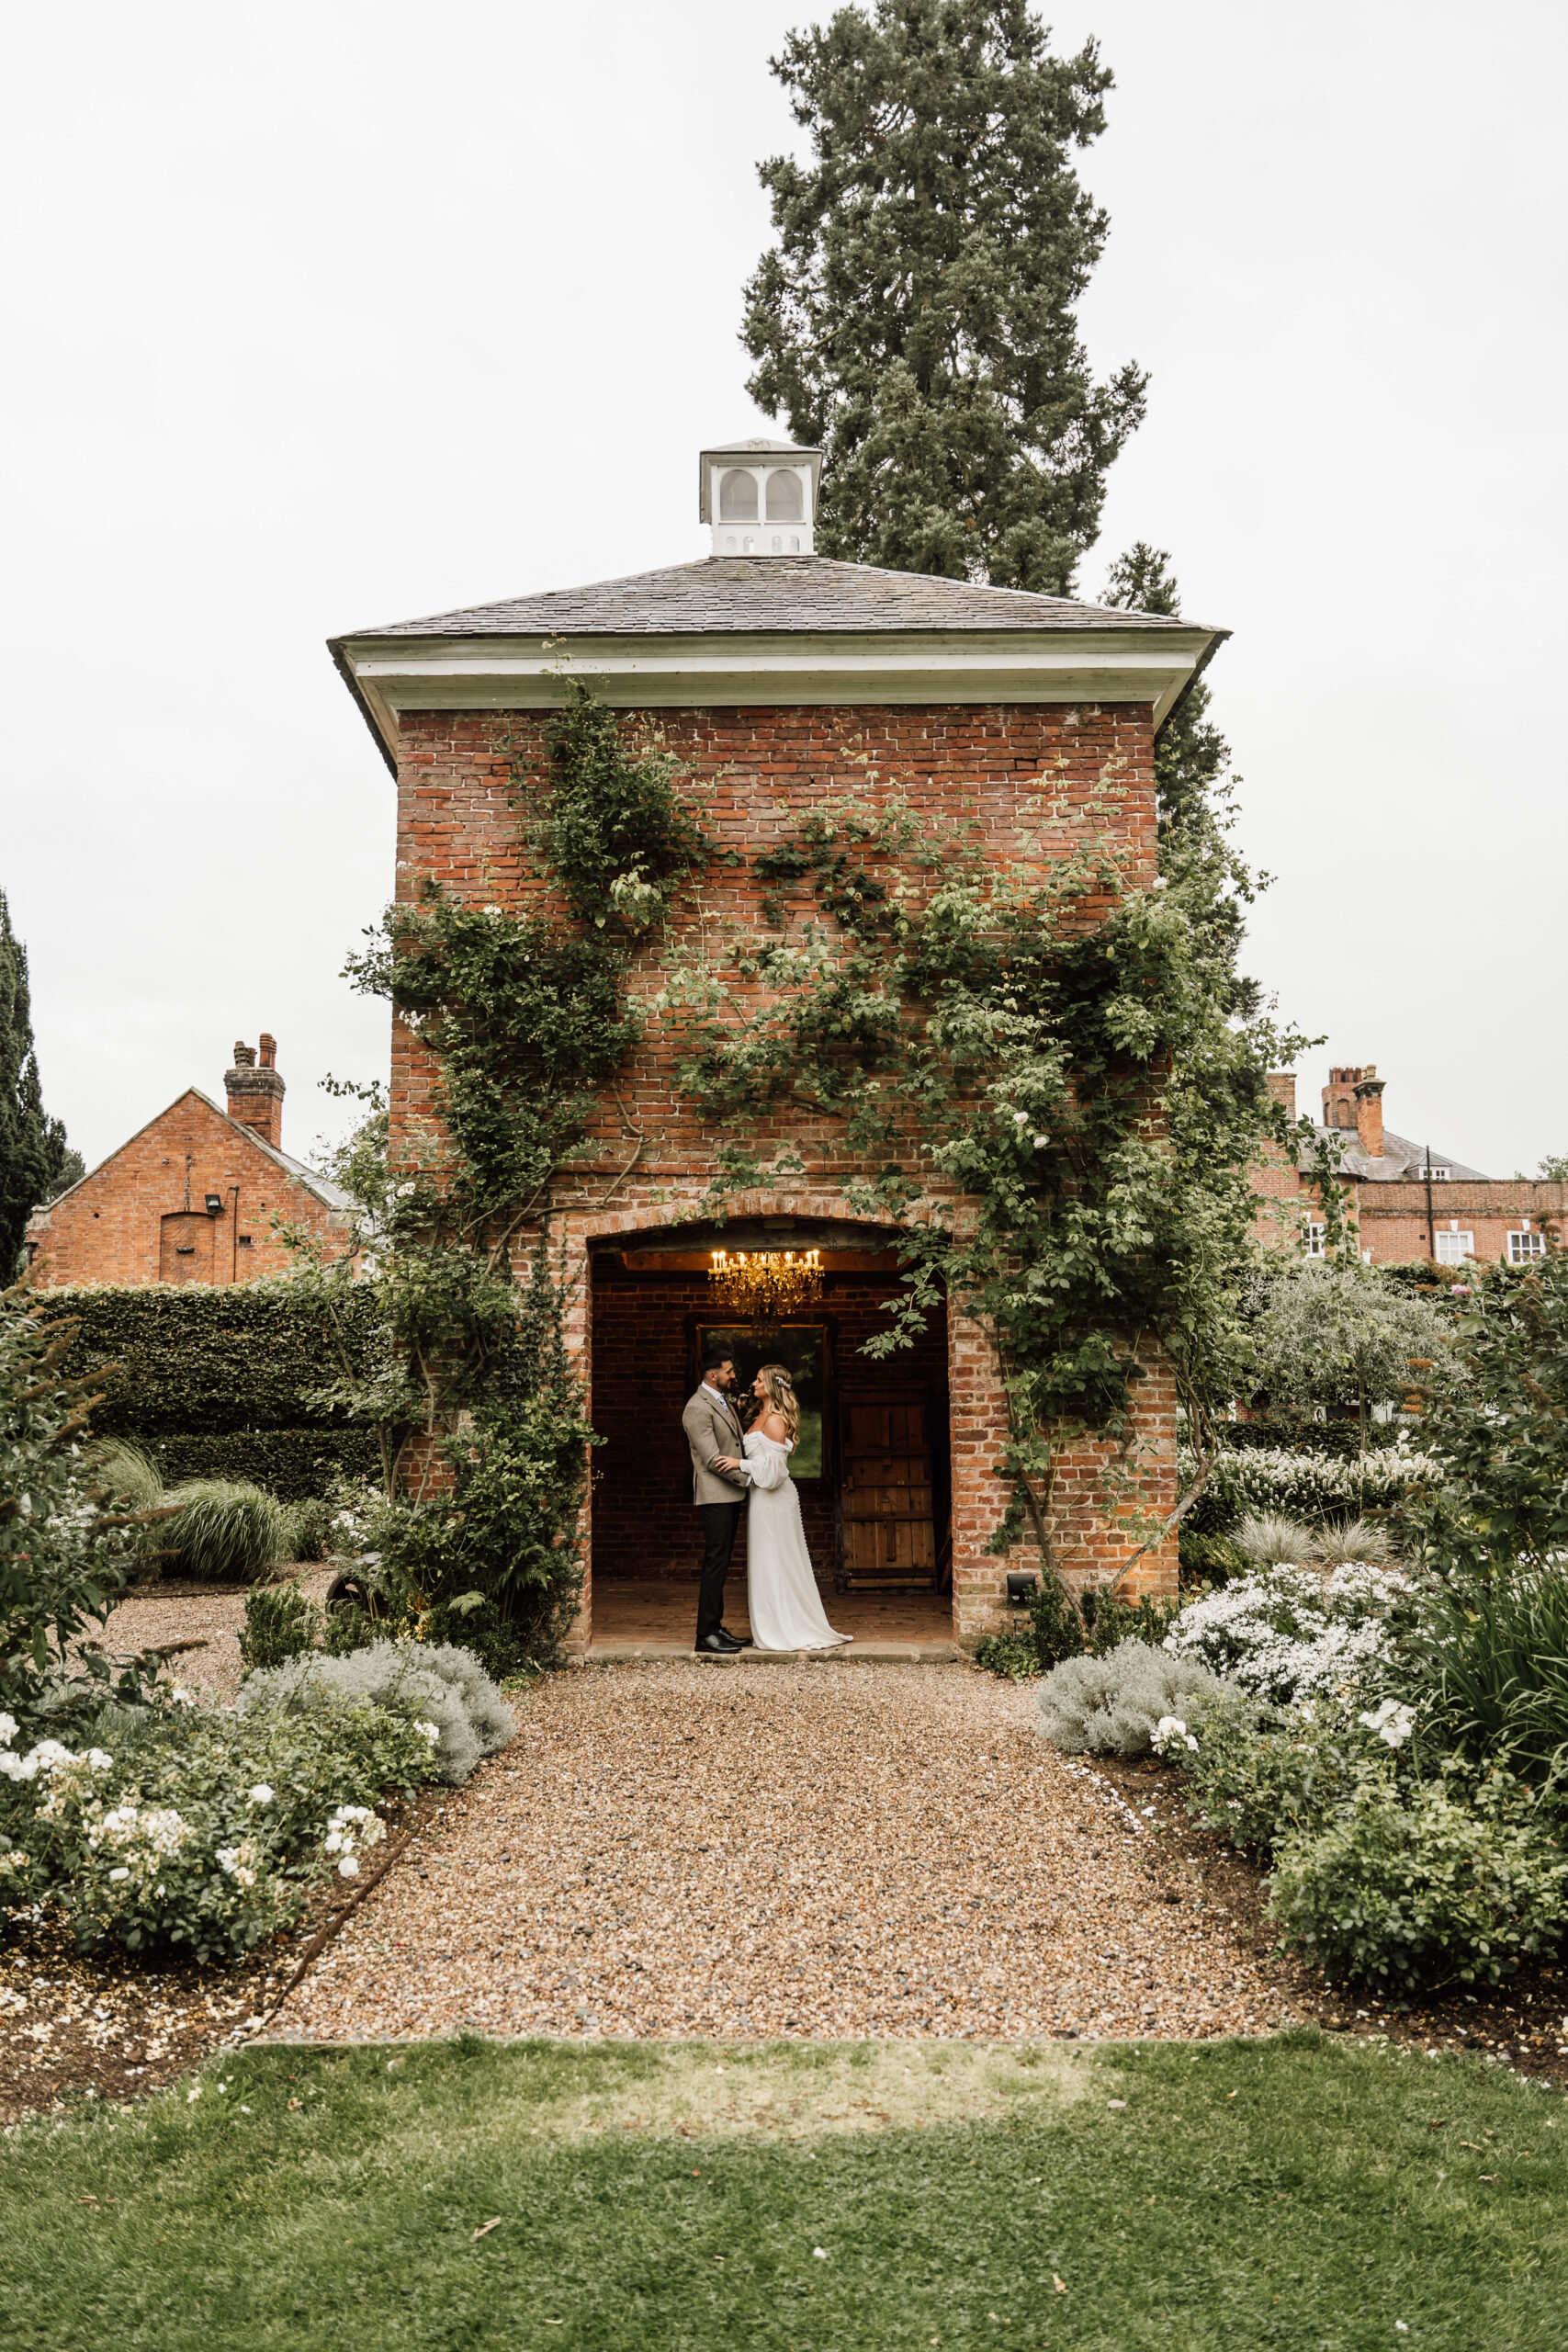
{"points": [[440, 1685], [1112, 1705]]}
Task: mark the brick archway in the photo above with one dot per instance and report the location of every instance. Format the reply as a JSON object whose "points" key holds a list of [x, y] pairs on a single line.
{"points": [[641, 1294]]}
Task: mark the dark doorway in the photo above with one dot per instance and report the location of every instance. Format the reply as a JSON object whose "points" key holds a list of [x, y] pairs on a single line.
{"points": [[653, 1308]]}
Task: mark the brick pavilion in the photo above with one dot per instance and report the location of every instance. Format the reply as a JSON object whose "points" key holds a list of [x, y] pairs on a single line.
{"points": [[783, 680]]}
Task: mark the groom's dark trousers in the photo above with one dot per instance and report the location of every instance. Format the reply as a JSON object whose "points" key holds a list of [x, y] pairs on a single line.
{"points": [[719, 1523]]}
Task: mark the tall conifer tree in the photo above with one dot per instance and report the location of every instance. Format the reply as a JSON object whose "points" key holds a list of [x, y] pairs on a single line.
{"points": [[916, 319], [36, 1162]]}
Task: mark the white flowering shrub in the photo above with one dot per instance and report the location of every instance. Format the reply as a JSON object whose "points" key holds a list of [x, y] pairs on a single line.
{"points": [[349, 1828], [177, 1830], [1263, 1481], [439, 1686], [1114, 1705], [1287, 1633]]}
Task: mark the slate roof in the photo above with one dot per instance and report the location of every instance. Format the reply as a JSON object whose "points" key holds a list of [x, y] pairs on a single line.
{"points": [[760, 593], [1402, 1161]]}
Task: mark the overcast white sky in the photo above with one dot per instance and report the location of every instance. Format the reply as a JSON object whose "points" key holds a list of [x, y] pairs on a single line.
{"points": [[332, 314]]}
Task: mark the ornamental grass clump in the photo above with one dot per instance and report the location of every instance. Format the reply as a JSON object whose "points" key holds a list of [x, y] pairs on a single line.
{"points": [[126, 1475], [1351, 1543], [1113, 1705], [223, 1533], [441, 1687], [1273, 1541]]}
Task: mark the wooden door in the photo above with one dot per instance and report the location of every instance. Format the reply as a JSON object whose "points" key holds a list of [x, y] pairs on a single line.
{"points": [[184, 1252], [885, 1492]]}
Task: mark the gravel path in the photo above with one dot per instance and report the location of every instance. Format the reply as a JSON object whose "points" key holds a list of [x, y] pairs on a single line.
{"points": [[210, 1615], [817, 1851]]}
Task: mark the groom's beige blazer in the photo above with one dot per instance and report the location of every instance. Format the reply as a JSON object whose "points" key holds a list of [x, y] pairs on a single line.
{"points": [[713, 1427]]}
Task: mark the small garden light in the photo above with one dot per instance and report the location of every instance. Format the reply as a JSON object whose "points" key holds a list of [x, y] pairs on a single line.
{"points": [[1022, 1587]]}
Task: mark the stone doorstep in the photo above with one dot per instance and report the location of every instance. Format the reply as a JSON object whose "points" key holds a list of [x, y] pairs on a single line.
{"points": [[859, 1653]]}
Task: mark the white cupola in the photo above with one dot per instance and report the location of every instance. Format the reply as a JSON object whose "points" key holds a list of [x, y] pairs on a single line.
{"points": [[760, 497]]}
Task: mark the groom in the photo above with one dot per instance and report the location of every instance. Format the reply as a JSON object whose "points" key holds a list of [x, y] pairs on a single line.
{"points": [[714, 1434]]}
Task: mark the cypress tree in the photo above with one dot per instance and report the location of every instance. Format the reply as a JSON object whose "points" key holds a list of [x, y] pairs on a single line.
{"points": [[916, 319], [36, 1162]]}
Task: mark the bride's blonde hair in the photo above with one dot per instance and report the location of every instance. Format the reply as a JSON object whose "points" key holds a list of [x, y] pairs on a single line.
{"points": [[781, 1396]]}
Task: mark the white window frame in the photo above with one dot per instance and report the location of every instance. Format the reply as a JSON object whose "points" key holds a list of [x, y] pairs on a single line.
{"points": [[1526, 1247], [1454, 1248], [1316, 1240]]}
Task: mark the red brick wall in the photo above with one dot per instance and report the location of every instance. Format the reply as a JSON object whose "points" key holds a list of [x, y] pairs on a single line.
{"points": [[645, 1524], [1035, 783], [110, 1228], [1393, 1216]]}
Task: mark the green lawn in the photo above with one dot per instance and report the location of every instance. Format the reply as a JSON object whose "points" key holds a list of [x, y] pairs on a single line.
{"points": [[1289, 2193]]}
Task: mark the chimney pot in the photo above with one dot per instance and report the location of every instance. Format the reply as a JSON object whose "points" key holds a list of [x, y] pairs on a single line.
{"points": [[255, 1092]]}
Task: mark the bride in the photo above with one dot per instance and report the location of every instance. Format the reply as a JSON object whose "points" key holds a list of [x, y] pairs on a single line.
{"points": [[782, 1601]]}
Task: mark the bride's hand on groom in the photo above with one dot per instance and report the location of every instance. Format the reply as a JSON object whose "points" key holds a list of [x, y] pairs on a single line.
{"points": [[725, 1461]]}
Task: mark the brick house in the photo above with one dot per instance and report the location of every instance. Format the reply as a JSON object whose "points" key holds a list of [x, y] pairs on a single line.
{"points": [[192, 1195], [783, 680], [1410, 1200]]}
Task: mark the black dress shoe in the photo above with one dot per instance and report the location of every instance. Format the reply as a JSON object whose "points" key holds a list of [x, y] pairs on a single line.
{"points": [[719, 1645], [741, 1641]]}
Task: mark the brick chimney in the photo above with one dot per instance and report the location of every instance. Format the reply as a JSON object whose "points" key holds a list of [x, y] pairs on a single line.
{"points": [[1339, 1096], [1281, 1085], [255, 1090], [1369, 1112]]}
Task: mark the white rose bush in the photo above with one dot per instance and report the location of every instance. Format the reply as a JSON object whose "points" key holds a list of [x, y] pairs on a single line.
{"points": [[182, 1831]]}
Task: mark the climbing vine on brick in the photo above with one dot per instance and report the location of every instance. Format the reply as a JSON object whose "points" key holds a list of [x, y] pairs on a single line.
{"points": [[1059, 1103], [525, 1018]]}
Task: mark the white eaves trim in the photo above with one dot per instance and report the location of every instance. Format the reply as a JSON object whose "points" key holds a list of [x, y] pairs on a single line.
{"points": [[392, 675]]}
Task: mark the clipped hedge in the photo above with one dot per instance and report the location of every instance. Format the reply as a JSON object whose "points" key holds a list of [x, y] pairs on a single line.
{"points": [[212, 1382], [290, 1464], [179, 1360], [1333, 1441]]}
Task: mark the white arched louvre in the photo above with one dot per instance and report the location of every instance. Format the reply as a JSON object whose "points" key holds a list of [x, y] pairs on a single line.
{"points": [[737, 497], [784, 502]]}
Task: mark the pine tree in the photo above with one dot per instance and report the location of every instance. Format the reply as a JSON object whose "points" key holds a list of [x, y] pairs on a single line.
{"points": [[1194, 791], [36, 1162], [916, 319]]}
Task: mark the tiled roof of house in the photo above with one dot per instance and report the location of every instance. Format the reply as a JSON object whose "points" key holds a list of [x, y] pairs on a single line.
{"points": [[1402, 1161], [330, 1195], [770, 592]]}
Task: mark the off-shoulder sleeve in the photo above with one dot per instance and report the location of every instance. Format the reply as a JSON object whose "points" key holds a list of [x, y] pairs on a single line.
{"points": [[769, 1464]]}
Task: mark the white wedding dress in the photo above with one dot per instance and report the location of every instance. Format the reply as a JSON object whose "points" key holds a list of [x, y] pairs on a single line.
{"points": [[782, 1601]]}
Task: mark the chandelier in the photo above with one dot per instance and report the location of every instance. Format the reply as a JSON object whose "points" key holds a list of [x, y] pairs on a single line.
{"points": [[764, 1285]]}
